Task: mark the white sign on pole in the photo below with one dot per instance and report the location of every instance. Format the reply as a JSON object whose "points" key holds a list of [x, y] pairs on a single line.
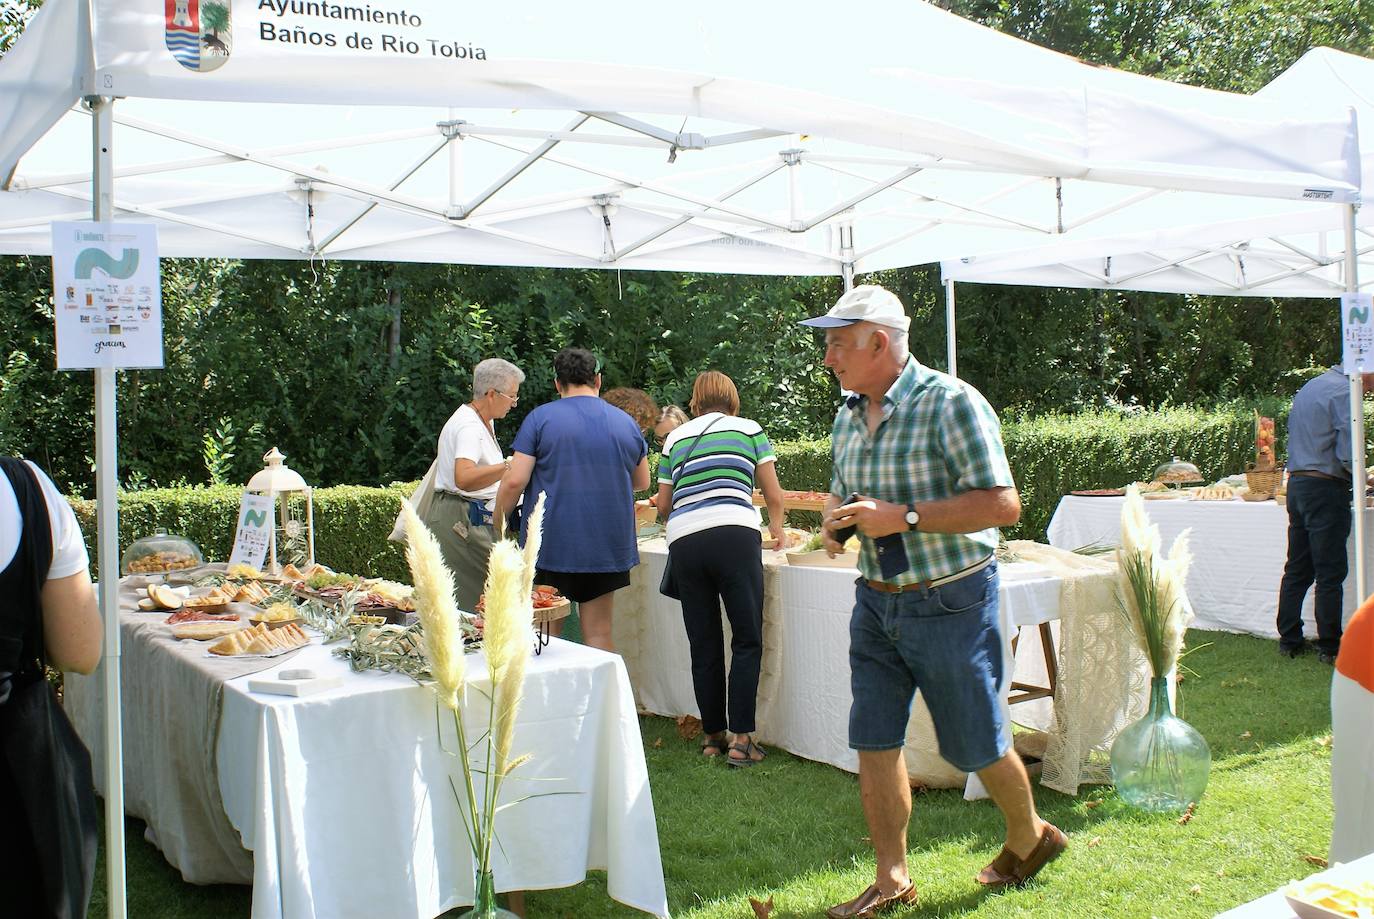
{"points": [[254, 530], [1357, 333], [107, 295]]}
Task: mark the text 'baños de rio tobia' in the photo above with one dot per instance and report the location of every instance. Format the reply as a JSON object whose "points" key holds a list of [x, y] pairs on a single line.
{"points": [[397, 35]]}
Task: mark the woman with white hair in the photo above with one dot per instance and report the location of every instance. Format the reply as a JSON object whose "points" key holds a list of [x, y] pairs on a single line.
{"points": [[469, 471]]}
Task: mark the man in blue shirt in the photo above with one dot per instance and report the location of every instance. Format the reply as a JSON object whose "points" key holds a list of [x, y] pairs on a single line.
{"points": [[1319, 503], [587, 458]]}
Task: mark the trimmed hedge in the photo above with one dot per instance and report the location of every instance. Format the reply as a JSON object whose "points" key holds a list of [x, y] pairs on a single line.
{"points": [[352, 523], [1049, 456]]}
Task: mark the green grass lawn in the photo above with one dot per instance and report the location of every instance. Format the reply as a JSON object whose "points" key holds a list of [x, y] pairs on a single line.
{"points": [[793, 830]]}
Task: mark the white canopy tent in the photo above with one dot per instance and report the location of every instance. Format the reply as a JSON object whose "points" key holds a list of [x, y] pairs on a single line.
{"points": [[707, 137], [1245, 247], [1239, 247]]}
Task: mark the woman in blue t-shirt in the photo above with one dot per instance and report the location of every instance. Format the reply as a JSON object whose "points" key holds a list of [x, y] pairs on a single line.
{"points": [[588, 458], [706, 477]]}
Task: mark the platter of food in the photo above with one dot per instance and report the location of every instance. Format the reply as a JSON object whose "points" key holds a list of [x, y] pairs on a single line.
{"points": [[276, 616], [1220, 492], [368, 595], [1168, 495], [1098, 492], [1317, 898], [260, 641], [797, 500], [549, 605], [199, 615]]}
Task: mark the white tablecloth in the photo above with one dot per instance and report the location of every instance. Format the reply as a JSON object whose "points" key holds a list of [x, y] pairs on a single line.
{"points": [[343, 797], [1239, 548], [804, 691]]}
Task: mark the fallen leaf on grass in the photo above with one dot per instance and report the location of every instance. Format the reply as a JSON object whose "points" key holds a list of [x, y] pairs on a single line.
{"points": [[688, 727], [762, 910], [1091, 804], [1245, 735], [1187, 814], [1325, 741], [1195, 890], [1315, 860], [658, 743], [1094, 842]]}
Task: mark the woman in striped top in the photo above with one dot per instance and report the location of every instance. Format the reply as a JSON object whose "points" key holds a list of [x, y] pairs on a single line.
{"points": [[707, 474]]}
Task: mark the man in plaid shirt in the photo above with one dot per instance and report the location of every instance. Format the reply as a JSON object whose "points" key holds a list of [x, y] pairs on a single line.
{"points": [[920, 453]]}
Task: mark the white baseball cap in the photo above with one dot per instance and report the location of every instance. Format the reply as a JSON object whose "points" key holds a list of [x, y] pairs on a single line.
{"points": [[865, 303]]}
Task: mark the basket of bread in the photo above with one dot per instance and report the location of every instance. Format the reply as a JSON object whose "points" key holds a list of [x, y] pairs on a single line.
{"points": [[261, 641]]}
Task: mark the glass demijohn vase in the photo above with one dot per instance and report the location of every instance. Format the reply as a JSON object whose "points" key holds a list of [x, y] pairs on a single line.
{"points": [[485, 906], [1160, 763]]}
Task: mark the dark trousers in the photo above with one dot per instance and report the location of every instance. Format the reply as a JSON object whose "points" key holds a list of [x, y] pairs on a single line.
{"points": [[1318, 527], [715, 565]]}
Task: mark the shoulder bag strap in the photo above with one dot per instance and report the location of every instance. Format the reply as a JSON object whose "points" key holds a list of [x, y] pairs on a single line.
{"points": [[677, 473], [21, 612]]}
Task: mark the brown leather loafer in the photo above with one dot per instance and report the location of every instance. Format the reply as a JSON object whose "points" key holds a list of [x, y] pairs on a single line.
{"points": [[871, 902], [1006, 870]]}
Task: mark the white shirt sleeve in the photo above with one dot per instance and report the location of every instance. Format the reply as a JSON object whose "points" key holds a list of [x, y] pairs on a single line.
{"points": [[68, 548], [468, 442]]}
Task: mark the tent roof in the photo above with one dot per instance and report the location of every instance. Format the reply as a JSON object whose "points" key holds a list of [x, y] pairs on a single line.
{"points": [[1247, 248], [711, 136]]}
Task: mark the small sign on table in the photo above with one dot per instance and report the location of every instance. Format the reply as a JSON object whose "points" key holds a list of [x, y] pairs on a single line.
{"points": [[256, 520]]}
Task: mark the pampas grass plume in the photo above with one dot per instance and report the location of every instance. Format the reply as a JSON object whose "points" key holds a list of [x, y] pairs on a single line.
{"points": [[443, 644]]}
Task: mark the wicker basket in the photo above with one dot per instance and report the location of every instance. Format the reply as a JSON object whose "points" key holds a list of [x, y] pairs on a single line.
{"points": [[1263, 481]]}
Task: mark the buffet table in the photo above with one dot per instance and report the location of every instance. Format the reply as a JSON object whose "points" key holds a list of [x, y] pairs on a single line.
{"points": [[1239, 548], [343, 796], [804, 694]]}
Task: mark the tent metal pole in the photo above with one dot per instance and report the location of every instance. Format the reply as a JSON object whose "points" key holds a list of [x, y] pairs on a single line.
{"points": [[107, 527], [951, 344], [1357, 463], [847, 255]]}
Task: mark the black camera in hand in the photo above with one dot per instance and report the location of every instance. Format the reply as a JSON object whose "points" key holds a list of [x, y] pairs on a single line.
{"points": [[842, 536]]}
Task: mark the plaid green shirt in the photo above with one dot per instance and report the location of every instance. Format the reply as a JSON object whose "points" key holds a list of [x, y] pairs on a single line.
{"points": [[938, 438]]}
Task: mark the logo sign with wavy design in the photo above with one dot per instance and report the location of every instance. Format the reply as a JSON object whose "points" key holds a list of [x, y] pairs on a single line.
{"points": [[199, 33], [107, 295]]}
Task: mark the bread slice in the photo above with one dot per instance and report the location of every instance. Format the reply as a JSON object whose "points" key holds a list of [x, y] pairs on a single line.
{"points": [[205, 631], [234, 643], [208, 603], [261, 640]]}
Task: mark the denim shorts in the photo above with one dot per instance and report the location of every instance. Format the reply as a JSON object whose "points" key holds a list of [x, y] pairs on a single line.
{"points": [[944, 641]]}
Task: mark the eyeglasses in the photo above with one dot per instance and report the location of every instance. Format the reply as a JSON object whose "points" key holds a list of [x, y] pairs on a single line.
{"points": [[514, 400]]}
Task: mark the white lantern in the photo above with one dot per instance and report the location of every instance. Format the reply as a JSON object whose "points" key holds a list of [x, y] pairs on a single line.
{"points": [[294, 531]]}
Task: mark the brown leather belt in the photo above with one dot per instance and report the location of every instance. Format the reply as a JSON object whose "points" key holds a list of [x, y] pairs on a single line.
{"points": [[884, 587], [1314, 474]]}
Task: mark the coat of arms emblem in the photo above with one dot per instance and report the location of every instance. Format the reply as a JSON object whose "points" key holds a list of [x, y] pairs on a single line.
{"points": [[198, 33]]}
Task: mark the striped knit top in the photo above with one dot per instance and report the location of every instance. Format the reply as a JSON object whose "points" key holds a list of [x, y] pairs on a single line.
{"points": [[715, 485]]}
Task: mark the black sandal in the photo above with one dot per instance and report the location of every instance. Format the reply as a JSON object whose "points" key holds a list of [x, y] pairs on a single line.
{"points": [[748, 748], [718, 742]]}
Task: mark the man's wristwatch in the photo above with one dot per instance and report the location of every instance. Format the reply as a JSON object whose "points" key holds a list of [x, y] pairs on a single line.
{"points": [[912, 518]]}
